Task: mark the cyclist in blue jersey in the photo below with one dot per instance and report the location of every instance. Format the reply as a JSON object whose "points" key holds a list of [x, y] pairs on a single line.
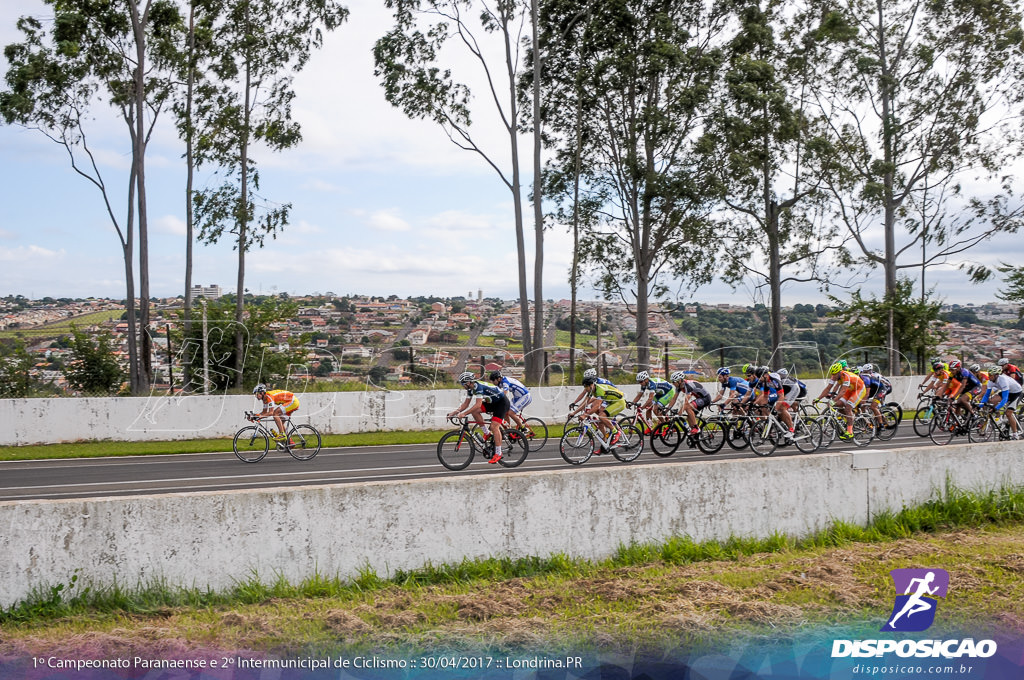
{"points": [[518, 396], [661, 394], [489, 399], [774, 394], [968, 384], [736, 387]]}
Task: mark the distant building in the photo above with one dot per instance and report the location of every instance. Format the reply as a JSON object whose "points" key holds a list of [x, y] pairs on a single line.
{"points": [[211, 292]]}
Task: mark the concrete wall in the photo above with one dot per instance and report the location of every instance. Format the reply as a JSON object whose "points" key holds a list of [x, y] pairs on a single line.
{"points": [[213, 539], [47, 421]]}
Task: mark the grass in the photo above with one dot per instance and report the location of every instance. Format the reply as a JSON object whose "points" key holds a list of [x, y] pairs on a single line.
{"points": [[98, 449]]}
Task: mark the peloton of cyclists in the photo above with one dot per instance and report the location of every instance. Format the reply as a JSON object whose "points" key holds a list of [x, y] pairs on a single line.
{"points": [[847, 389], [489, 399]]}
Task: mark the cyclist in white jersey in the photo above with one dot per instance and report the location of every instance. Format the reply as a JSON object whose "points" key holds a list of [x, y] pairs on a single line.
{"points": [[519, 397]]}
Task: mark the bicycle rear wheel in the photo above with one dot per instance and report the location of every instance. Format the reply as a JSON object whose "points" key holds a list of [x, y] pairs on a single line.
{"points": [[666, 438], [515, 448], [941, 430], [891, 422], [735, 436], [305, 442], [536, 433], [251, 444], [863, 429], [630, 444], [923, 418], [456, 450], [576, 445], [983, 430], [711, 437]]}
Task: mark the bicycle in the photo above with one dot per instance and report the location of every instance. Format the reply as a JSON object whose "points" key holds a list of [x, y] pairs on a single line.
{"points": [[951, 424], [766, 432], [669, 435], [990, 425], [581, 441], [252, 442], [536, 432], [928, 408], [833, 424], [457, 448]]}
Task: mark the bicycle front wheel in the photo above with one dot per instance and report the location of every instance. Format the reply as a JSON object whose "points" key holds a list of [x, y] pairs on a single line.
{"points": [[735, 436], [806, 434], [891, 422], [251, 444], [923, 419], [666, 438], [305, 442], [983, 429], [941, 430], [515, 448], [759, 435], [536, 433], [863, 429], [630, 444], [456, 450], [576, 445]]}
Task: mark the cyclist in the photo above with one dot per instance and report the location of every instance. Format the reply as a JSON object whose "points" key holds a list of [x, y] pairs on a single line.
{"points": [[277, 403], [604, 399], [661, 393], [489, 399], [696, 398], [518, 396], [962, 384], [773, 395], [848, 390], [877, 391], [736, 387], [1011, 391], [1011, 370], [590, 373], [936, 380]]}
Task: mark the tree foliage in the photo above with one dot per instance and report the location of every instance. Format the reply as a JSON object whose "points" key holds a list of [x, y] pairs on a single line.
{"points": [[93, 368]]}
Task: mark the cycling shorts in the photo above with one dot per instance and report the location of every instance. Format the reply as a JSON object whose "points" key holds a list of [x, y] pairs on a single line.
{"points": [[700, 403], [614, 408], [498, 409], [852, 396], [790, 396], [286, 409], [521, 402]]}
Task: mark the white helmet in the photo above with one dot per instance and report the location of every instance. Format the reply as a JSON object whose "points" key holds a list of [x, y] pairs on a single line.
{"points": [[259, 389], [783, 373], [1003, 361], [466, 377], [867, 368], [590, 373], [642, 376], [678, 376]]}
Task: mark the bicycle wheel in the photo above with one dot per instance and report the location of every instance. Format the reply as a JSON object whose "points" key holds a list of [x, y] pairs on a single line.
{"points": [[456, 450], [576, 445], [863, 429], [536, 433], [712, 436], [630, 444], [891, 423], [941, 430], [666, 438], [305, 442], [830, 430], [515, 448], [759, 436], [897, 407], [735, 436], [251, 444], [923, 419], [983, 430], [807, 434]]}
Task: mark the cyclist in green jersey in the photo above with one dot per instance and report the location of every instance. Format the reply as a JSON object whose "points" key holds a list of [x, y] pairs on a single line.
{"points": [[607, 401]]}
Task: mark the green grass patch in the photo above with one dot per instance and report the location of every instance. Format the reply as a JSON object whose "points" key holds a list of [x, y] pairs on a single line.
{"points": [[59, 328]]}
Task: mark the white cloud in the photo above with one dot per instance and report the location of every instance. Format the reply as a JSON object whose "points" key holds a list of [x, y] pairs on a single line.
{"points": [[387, 220], [30, 255], [170, 224]]}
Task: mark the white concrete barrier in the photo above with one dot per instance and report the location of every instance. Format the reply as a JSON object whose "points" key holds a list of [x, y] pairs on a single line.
{"points": [[156, 418], [217, 538]]}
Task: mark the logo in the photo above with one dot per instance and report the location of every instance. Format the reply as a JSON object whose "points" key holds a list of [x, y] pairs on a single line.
{"points": [[914, 610]]}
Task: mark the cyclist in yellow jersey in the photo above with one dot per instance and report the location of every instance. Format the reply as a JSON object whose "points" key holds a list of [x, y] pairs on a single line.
{"points": [[607, 401], [277, 403]]}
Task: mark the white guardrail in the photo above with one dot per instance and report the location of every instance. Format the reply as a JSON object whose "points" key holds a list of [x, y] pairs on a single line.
{"points": [[217, 538], [155, 418]]}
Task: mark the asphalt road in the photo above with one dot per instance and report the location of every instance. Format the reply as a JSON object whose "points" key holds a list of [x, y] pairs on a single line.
{"points": [[197, 472]]}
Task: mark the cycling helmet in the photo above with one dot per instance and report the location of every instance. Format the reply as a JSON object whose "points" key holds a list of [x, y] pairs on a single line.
{"points": [[783, 373], [760, 370], [854, 369], [259, 389], [748, 369], [466, 377], [867, 368], [1002, 362], [589, 380], [936, 365], [995, 368], [724, 370], [678, 376], [642, 376], [835, 368], [975, 368], [590, 373], [495, 376], [955, 365]]}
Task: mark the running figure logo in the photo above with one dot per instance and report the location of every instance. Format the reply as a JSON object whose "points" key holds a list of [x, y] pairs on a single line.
{"points": [[915, 608]]}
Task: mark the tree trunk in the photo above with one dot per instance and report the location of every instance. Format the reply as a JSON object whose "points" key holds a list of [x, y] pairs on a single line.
{"points": [[243, 223], [888, 141], [190, 171], [145, 374], [538, 192]]}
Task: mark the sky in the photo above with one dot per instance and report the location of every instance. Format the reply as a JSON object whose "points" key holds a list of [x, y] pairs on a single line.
{"points": [[381, 204]]}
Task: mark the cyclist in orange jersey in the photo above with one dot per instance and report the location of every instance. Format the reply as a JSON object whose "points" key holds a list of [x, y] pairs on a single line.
{"points": [[277, 403]]}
